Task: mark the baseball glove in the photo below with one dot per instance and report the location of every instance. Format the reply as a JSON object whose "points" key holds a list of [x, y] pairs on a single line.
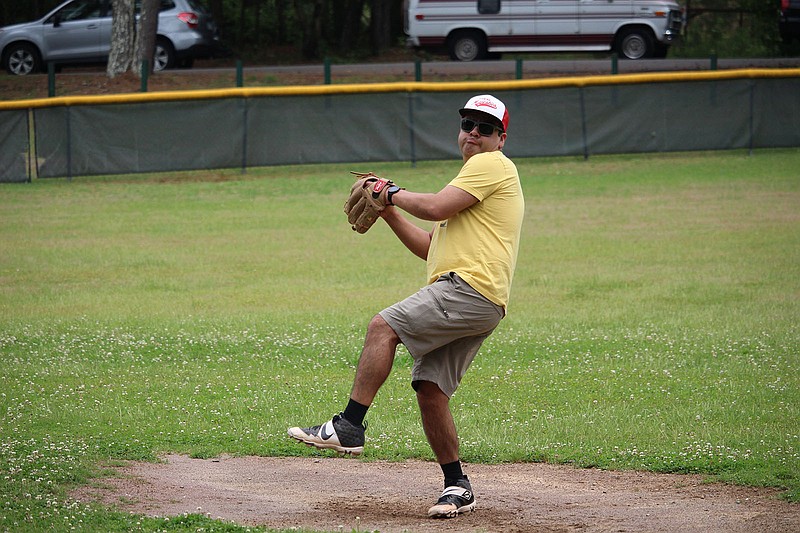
{"points": [[369, 195]]}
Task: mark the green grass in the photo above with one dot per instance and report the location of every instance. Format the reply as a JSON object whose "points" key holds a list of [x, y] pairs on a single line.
{"points": [[653, 323]]}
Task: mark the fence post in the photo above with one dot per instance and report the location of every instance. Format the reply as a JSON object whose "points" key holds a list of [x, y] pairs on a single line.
{"points": [[519, 69], [584, 134], [145, 74], [69, 142], [614, 63], [751, 125], [245, 116], [51, 79], [417, 70], [327, 67], [411, 133], [239, 74]]}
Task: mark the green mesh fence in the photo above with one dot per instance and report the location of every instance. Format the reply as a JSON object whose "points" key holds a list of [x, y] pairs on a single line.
{"points": [[246, 130], [14, 146]]}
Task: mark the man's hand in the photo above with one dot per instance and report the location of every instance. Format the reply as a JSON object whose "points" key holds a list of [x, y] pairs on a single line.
{"points": [[369, 195]]}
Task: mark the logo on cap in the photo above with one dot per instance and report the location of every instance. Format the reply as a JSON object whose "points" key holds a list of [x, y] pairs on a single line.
{"points": [[484, 102]]}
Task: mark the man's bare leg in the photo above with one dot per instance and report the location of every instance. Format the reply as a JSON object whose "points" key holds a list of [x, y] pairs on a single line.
{"points": [[344, 433], [440, 429], [375, 363], [437, 421]]}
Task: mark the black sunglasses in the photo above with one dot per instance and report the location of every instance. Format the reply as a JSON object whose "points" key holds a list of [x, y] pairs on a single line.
{"points": [[484, 128]]}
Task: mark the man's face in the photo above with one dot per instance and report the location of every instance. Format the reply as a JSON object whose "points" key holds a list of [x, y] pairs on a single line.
{"points": [[473, 142]]}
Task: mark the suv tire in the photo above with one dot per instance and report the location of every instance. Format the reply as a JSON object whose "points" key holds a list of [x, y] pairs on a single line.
{"points": [[21, 59], [164, 55]]}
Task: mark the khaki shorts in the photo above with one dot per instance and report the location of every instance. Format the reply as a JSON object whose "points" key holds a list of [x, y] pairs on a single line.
{"points": [[443, 325]]}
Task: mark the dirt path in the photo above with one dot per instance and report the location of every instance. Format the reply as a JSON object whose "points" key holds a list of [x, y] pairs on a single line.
{"points": [[340, 494]]}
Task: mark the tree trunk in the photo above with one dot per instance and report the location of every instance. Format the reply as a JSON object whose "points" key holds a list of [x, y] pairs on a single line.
{"points": [[350, 28], [123, 38], [146, 36], [381, 27], [309, 16], [257, 33], [240, 30], [217, 12], [280, 15]]}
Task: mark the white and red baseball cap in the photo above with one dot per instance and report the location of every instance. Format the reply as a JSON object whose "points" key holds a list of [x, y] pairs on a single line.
{"points": [[486, 103]]}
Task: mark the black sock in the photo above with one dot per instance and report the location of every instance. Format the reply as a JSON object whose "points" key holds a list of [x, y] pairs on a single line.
{"points": [[452, 471], [355, 412]]}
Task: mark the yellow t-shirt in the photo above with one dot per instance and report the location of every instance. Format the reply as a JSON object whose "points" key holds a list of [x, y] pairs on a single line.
{"points": [[480, 243]]}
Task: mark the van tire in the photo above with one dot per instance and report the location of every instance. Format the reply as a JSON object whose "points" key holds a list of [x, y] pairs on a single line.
{"points": [[467, 45], [635, 43]]}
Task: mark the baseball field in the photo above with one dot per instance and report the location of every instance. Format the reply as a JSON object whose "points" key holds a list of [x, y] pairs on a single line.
{"points": [[654, 325]]}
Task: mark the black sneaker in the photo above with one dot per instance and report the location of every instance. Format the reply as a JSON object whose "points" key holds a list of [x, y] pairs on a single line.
{"points": [[335, 434], [456, 498]]}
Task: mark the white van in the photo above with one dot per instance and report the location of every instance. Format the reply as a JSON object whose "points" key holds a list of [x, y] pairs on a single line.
{"points": [[477, 29]]}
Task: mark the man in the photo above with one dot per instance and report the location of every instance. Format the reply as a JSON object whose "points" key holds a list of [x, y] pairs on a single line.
{"points": [[471, 254]]}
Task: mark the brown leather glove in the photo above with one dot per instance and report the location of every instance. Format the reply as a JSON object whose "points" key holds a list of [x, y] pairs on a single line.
{"points": [[369, 195]]}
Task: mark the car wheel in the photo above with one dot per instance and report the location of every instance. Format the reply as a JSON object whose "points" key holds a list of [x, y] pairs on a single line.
{"points": [[22, 59], [635, 44], [164, 56], [467, 46]]}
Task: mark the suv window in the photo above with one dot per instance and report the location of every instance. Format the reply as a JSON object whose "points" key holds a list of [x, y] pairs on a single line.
{"points": [[164, 6], [80, 10]]}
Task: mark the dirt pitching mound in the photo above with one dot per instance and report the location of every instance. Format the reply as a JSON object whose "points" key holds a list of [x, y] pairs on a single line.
{"points": [[340, 494]]}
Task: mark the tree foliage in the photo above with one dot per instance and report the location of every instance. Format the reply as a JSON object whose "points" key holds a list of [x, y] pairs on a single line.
{"points": [[728, 28], [13, 11], [262, 30], [318, 28], [251, 29]]}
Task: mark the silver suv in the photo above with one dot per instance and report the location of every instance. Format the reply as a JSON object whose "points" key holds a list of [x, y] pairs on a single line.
{"points": [[79, 31]]}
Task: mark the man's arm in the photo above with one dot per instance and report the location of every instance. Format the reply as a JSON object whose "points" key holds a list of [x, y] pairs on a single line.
{"points": [[412, 236], [435, 207]]}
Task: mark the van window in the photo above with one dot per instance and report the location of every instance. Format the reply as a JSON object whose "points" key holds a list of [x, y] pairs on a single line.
{"points": [[488, 7]]}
